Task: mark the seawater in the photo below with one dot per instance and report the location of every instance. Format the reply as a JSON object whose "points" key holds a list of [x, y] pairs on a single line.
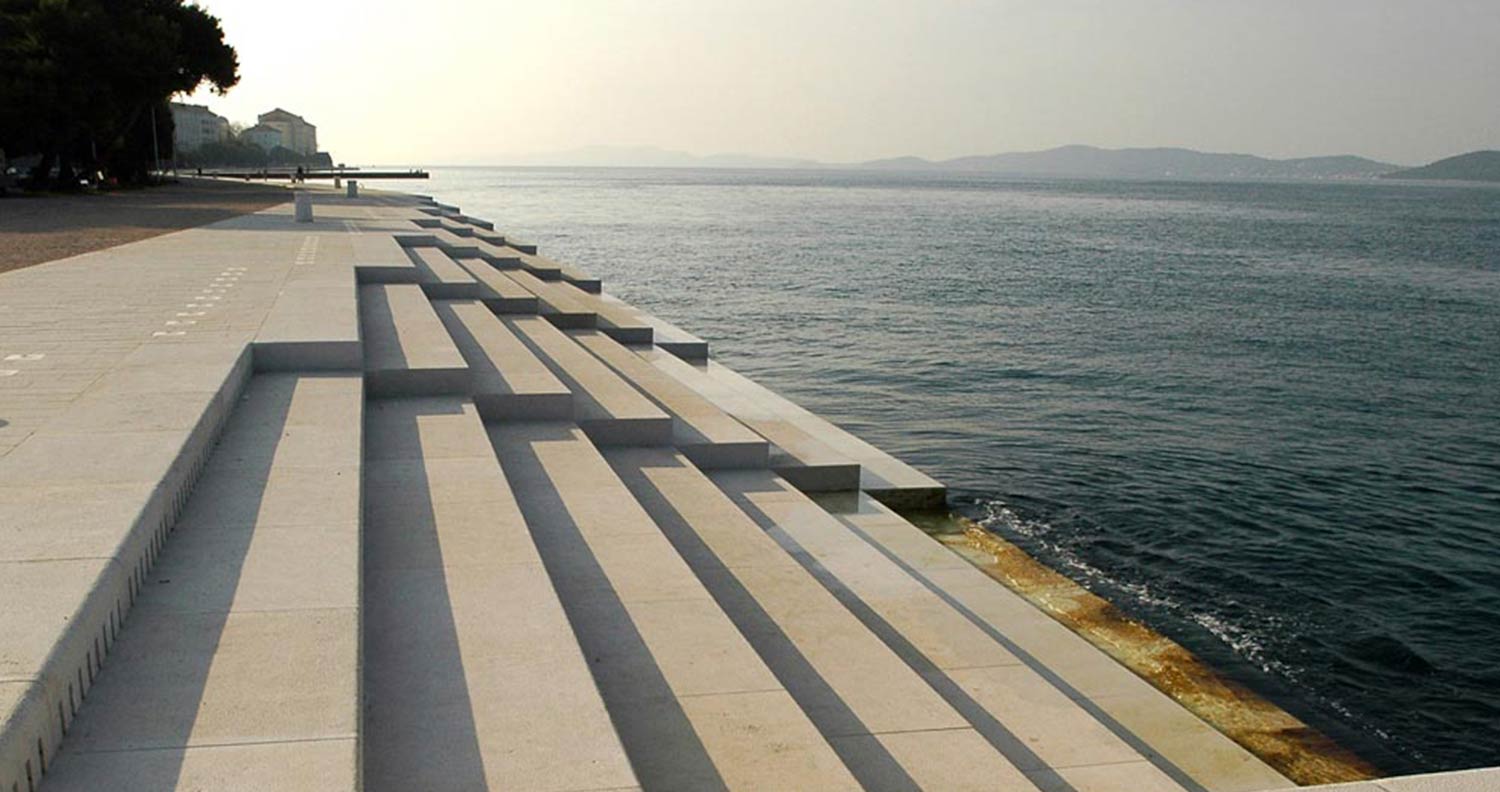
{"points": [[1263, 418]]}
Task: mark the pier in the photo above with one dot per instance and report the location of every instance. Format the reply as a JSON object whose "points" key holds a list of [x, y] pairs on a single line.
{"points": [[391, 500]]}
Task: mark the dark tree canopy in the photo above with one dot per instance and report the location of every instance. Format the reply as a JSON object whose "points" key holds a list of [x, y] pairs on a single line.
{"points": [[79, 78]]}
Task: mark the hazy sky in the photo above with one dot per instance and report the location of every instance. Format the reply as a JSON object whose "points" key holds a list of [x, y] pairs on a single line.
{"points": [[450, 81]]}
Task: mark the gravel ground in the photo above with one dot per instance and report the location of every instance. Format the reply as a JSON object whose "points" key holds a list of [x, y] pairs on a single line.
{"points": [[36, 229]]}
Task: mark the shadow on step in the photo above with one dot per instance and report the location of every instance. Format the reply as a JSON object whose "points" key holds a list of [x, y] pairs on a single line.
{"points": [[871, 764], [150, 699], [418, 722], [664, 750]]}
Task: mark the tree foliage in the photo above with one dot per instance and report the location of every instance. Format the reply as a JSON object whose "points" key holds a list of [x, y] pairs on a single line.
{"points": [[79, 78]]}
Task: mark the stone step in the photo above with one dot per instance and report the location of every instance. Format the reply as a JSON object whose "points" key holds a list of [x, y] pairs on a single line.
{"points": [[703, 432], [618, 320], [312, 326], [239, 665], [796, 455], [890, 480], [407, 350], [881, 715], [676, 340], [604, 404], [694, 705], [501, 293], [510, 383], [474, 679], [114, 468], [379, 258], [1191, 752], [509, 241], [1042, 730], [560, 307], [441, 276]]}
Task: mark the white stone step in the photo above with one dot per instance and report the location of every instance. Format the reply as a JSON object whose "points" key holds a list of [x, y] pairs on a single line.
{"points": [[1178, 741], [509, 241], [239, 666], [1043, 731], [379, 258], [700, 430], [407, 350], [694, 705], [441, 276], [798, 456], [606, 406], [474, 679], [878, 713], [114, 468], [676, 340], [510, 383], [889, 479], [617, 319], [501, 293], [312, 326], [560, 307]]}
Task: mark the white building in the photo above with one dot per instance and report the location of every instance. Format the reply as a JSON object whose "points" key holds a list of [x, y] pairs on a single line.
{"points": [[296, 133], [196, 125], [264, 135]]}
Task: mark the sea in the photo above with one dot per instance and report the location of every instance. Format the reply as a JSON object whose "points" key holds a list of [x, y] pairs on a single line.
{"points": [[1261, 417]]}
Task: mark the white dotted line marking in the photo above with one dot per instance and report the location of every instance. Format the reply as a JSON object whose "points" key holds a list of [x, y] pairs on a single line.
{"points": [[9, 372], [170, 333], [26, 356]]}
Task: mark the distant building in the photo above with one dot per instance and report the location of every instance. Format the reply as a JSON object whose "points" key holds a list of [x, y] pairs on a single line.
{"points": [[265, 136], [196, 125], [296, 133]]}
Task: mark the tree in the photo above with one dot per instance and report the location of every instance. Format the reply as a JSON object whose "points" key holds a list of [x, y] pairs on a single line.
{"points": [[79, 78]]}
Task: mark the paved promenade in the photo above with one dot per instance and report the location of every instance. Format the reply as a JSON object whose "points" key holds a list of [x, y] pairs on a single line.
{"points": [[391, 501]]}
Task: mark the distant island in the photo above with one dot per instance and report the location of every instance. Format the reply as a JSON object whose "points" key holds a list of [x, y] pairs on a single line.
{"points": [[1480, 166], [1074, 161], [1148, 163]]}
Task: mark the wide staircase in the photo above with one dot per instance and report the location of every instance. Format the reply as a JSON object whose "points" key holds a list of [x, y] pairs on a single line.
{"points": [[526, 537]]}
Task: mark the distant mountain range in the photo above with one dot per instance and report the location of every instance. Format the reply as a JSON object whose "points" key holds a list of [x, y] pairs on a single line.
{"points": [[1474, 166], [1074, 161], [1148, 163]]}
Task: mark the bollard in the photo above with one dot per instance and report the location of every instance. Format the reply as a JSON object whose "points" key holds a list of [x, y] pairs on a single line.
{"points": [[304, 207], [353, 191]]}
